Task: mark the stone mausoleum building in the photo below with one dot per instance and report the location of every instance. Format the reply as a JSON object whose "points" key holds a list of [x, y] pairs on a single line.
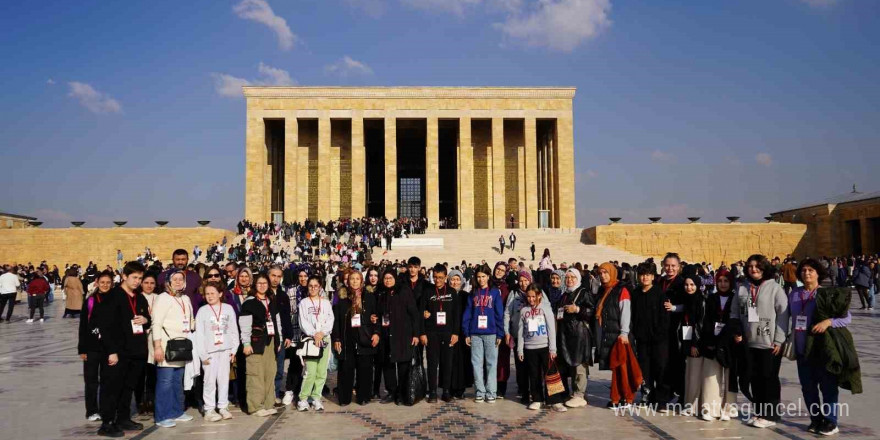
{"points": [[474, 156]]}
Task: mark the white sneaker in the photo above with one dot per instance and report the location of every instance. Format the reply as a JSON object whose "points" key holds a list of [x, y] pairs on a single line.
{"points": [[707, 417], [732, 411], [751, 420], [725, 417], [288, 398], [764, 423], [559, 408], [317, 405], [534, 406], [30, 321], [259, 413], [271, 411], [302, 405], [277, 401], [94, 417], [184, 418], [225, 414], [576, 402], [42, 320], [212, 417]]}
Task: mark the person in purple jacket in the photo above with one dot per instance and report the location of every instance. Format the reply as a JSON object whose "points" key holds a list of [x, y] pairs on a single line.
{"points": [[812, 373], [483, 328]]}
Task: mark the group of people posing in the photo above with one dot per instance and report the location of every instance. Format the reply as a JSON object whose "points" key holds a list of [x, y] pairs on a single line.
{"points": [[224, 338]]}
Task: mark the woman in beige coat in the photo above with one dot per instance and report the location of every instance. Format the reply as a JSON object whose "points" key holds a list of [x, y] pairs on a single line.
{"points": [[73, 291]]}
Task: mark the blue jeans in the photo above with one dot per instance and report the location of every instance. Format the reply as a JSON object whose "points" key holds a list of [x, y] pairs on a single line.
{"points": [[814, 378], [483, 349], [279, 373], [169, 393], [871, 296]]}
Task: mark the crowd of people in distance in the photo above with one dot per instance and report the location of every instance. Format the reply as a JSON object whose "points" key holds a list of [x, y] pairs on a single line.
{"points": [[259, 332]]}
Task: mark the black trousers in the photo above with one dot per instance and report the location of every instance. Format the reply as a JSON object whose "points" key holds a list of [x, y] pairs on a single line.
{"points": [[439, 355], [7, 298], [362, 365], [653, 357], [92, 366], [377, 369], [537, 362], [129, 375], [396, 373], [522, 375], [36, 302], [764, 379], [111, 388], [294, 379], [145, 392], [241, 379]]}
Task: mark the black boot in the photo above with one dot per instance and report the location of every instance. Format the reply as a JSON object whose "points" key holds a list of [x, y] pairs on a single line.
{"points": [[129, 425], [432, 396], [110, 430], [446, 397]]}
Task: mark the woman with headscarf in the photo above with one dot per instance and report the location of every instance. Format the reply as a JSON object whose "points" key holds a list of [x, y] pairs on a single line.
{"points": [[612, 326], [401, 328], [715, 341], [462, 371], [498, 280], [235, 296], [554, 290], [689, 341], [172, 318], [575, 344]]}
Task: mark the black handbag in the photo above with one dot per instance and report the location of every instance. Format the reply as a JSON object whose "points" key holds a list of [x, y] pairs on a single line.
{"points": [[258, 340], [417, 382], [178, 349]]}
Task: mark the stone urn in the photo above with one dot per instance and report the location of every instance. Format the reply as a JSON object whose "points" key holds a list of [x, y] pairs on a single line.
{"points": [[161, 223], [694, 219], [768, 218], [77, 224], [654, 219], [203, 222], [733, 219], [615, 220], [34, 223], [120, 223]]}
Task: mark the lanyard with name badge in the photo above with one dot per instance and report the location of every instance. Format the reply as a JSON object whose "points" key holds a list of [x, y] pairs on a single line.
{"points": [[482, 319], [270, 325], [137, 329], [753, 305], [217, 327], [800, 323], [535, 320], [187, 323], [441, 315]]}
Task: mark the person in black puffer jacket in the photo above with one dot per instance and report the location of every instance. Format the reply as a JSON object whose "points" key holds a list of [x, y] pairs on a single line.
{"points": [[575, 340], [355, 337]]}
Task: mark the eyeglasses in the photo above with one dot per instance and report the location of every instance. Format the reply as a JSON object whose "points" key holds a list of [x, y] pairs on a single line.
{"points": [[213, 275]]}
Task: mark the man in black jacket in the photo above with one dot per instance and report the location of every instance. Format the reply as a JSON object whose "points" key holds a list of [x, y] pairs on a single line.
{"points": [[440, 310], [123, 320], [412, 282]]}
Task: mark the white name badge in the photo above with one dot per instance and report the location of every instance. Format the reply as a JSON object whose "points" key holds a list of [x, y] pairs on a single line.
{"points": [[482, 322], [533, 325], [137, 329], [386, 321], [560, 313], [753, 314], [718, 327], [441, 318], [356, 321], [270, 328], [218, 337], [186, 326], [800, 323], [687, 333]]}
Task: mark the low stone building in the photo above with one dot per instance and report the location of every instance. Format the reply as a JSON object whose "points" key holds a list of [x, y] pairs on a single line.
{"points": [[846, 224], [14, 221]]}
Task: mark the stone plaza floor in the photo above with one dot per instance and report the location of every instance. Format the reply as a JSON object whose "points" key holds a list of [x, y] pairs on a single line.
{"points": [[41, 397]]}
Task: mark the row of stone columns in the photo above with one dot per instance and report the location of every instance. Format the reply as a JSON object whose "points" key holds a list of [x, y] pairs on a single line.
{"points": [[537, 173]]}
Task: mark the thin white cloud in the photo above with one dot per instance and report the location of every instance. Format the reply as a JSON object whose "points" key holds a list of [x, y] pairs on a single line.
{"points": [[457, 7], [347, 66], [557, 24], [230, 86], [95, 101], [373, 8], [820, 3], [261, 12], [764, 159], [661, 156], [50, 81]]}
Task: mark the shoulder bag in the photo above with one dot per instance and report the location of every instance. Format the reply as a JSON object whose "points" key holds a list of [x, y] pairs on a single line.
{"points": [[178, 349], [309, 349]]}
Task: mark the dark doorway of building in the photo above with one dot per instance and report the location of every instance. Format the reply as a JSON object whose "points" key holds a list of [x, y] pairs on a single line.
{"points": [[448, 170], [411, 143], [855, 236], [275, 159], [374, 143]]}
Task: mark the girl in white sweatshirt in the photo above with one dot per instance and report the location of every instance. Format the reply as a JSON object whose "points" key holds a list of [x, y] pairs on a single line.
{"points": [[316, 321], [216, 341]]}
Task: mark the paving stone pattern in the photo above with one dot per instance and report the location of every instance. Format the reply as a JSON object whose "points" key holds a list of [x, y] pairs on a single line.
{"points": [[41, 397]]}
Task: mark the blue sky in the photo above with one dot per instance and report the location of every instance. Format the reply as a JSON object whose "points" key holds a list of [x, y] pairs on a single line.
{"points": [[129, 110]]}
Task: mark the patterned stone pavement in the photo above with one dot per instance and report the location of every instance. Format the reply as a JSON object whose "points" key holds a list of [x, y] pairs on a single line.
{"points": [[41, 397]]}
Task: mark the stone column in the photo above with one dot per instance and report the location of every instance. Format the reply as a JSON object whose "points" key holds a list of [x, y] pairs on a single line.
{"points": [[291, 169], [521, 186], [323, 168], [302, 179], [531, 188], [390, 166], [465, 174], [432, 173], [565, 170], [255, 168], [498, 196], [358, 168]]}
